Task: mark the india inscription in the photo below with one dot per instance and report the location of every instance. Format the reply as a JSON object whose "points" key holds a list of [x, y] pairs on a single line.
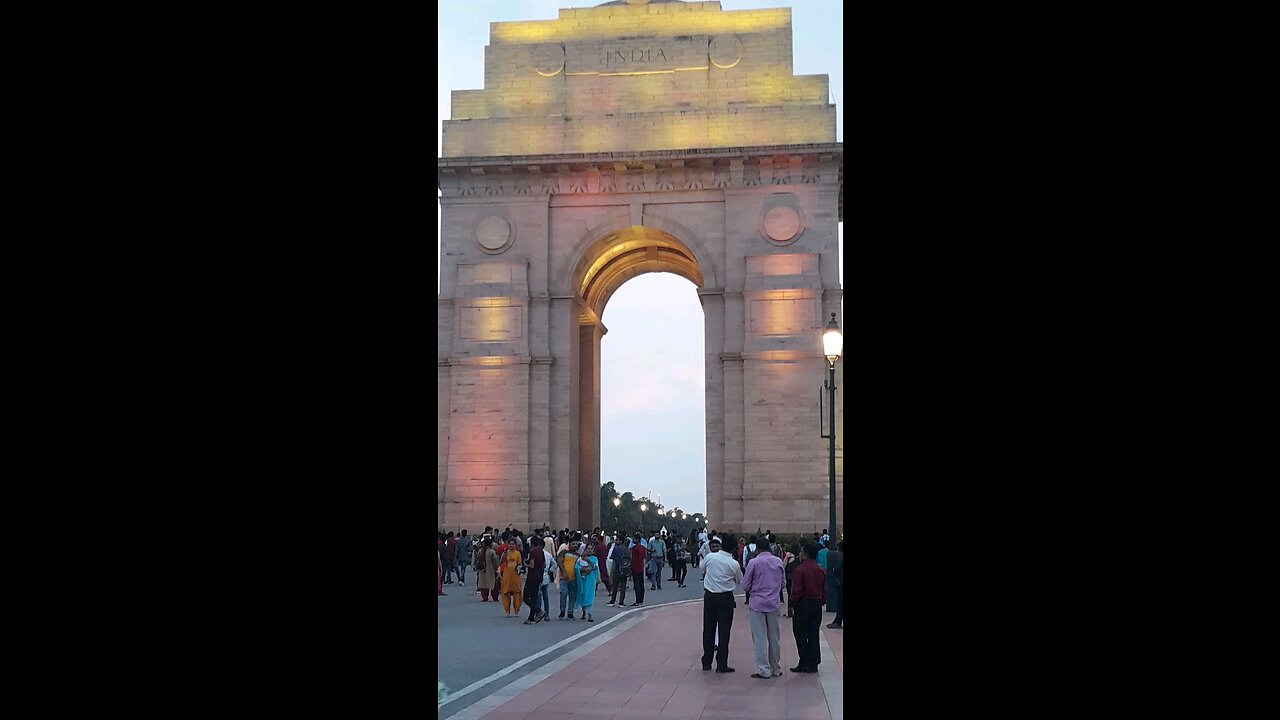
{"points": [[688, 52]]}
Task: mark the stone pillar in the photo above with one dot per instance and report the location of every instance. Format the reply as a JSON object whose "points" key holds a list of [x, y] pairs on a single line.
{"points": [[563, 460], [716, 435], [443, 384], [588, 489]]}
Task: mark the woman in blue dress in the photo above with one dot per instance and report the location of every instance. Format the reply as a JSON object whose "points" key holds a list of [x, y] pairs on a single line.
{"points": [[588, 578]]}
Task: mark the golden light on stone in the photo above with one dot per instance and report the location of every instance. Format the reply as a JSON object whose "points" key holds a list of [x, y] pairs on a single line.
{"points": [[682, 75], [725, 51], [548, 60], [627, 253]]}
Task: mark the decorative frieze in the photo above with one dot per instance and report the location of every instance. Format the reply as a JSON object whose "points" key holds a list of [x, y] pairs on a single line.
{"points": [[667, 172]]}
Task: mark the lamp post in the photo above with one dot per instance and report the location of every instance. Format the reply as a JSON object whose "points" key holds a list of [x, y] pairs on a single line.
{"points": [[832, 344]]}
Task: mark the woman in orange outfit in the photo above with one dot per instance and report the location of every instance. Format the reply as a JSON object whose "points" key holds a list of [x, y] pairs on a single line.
{"points": [[509, 584]]}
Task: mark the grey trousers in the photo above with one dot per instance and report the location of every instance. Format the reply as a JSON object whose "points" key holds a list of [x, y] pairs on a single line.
{"points": [[764, 637]]}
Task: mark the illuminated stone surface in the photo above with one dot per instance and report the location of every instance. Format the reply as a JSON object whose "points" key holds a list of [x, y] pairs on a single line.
{"points": [[650, 76], [635, 156], [781, 224]]}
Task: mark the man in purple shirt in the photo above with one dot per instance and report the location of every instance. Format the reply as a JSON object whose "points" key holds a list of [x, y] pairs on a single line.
{"points": [[763, 584]]}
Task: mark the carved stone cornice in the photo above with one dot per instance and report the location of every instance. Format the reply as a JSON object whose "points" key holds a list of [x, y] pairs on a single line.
{"points": [[537, 176]]}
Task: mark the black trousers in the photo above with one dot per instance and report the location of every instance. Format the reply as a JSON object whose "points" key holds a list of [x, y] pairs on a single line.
{"points": [[637, 582], [619, 590], [805, 627], [681, 569], [717, 613]]}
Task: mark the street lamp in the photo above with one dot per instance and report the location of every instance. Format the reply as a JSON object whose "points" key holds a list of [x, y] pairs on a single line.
{"points": [[643, 507], [832, 344], [617, 502]]}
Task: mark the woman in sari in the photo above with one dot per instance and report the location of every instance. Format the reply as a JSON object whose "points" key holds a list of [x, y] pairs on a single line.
{"points": [[486, 569], [509, 583], [588, 578]]}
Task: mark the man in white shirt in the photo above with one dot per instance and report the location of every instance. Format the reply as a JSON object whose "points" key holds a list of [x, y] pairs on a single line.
{"points": [[721, 575]]}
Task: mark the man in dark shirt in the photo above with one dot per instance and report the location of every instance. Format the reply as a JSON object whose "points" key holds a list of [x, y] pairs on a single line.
{"points": [[809, 589], [449, 555], [638, 553], [621, 557]]}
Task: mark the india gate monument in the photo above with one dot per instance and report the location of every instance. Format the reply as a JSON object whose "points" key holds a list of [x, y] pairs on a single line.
{"points": [[627, 138]]}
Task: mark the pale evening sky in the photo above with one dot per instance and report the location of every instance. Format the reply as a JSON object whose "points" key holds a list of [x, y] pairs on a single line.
{"points": [[652, 387]]}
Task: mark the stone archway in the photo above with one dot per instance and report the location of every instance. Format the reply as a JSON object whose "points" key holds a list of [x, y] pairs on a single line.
{"points": [[608, 260], [554, 195]]}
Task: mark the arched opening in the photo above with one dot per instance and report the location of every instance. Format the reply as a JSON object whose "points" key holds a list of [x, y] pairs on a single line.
{"points": [[623, 254], [653, 396], [603, 268]]}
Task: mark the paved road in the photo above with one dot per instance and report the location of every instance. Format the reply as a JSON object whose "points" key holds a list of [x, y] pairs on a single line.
{"points": [[476, 641]]}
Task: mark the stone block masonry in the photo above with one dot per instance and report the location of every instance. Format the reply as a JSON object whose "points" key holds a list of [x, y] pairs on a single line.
{"points": [[610, 142]]}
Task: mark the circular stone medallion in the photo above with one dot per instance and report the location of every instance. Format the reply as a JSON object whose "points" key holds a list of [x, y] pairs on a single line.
{"points": [[493, 234], [781, 224], [725, 51], [548, 60]]}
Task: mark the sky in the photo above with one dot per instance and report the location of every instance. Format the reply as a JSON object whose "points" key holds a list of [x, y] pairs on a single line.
{"points": [[652, 386]]}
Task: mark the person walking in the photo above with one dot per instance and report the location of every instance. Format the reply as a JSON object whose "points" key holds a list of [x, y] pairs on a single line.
{"points": [[809, 588], [548, 578], [535, 570], [657, 554], [638, 553], [566, 564], [447, 555], [439, 586], [720, 575], [620, 556], [837, 570], [680, 563], [487, 570], [763, 583], [749, 554], [509, 582], [462, 556], [672, 540], [588, 575], [703, 550]]}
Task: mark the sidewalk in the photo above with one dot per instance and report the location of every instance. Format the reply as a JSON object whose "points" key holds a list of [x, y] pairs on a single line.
{"points": [[649, 666]]}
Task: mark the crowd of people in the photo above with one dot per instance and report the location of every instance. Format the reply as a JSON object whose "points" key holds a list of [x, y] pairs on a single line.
{"points": [[516, 570]]}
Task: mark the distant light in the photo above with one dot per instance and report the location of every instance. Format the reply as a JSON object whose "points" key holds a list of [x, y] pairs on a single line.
{"points": [[643, 507], [617, 502]]}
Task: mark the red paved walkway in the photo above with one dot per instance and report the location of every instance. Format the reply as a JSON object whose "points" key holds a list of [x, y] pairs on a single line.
{"points": [[835, 638], [653, 670]]}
